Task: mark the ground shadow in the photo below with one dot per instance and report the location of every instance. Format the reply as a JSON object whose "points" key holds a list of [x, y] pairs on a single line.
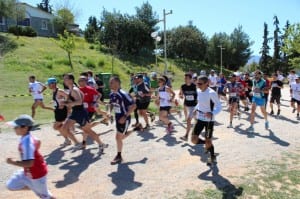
{"points": [[76, 167], [281, 117], [146, 135], [196, 150], [229, 191], [56, 156], [271, 136], [169, 139], [123, 178]]}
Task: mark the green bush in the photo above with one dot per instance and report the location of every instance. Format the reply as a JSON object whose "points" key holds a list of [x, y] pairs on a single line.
{"points": [[92, 47], [101, 63], [22, 31], [90, 64]]}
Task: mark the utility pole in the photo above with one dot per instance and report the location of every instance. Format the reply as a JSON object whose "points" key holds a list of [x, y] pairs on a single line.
{"points": [[221, 49], [165, 39]]}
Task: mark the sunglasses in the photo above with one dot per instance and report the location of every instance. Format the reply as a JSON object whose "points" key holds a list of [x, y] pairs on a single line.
{"points": [[16, 127], [200, 83]]}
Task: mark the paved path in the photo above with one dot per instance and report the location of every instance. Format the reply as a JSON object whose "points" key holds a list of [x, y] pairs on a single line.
{"points": [[157, 165]]}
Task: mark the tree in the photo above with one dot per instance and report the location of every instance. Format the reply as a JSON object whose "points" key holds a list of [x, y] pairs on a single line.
{"points": [[292, 45], [276, 39], [285, 58], [67, 43], [240, 48], [45, 5], [64, 16], [265, 57], [7, 8], [187, 42], [91, 32]]}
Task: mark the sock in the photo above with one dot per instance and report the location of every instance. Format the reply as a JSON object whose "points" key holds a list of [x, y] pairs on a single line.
{"points": [[119, 154], [83, 142]]}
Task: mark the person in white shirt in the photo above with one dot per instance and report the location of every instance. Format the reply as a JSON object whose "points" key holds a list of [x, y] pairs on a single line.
{"points": [[36, 89], [280, 76], [292, 77], [213, 80], [208, 106], [295, 92]]}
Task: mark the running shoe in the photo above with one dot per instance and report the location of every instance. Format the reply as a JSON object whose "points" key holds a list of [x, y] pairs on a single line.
{"points": [[152, 116], [147, 127], [184, 138], [67, 142], [77, 147], [272, 112], [116, 160], [278, 112], [230, 125], [266, 125], [250, 129], [102, 147]]}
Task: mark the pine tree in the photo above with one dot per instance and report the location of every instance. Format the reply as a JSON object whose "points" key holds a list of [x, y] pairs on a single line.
{"points": [[265, 57], [45, 5]]}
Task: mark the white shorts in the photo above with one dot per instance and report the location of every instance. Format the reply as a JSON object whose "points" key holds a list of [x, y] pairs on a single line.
{"points": [[39, 186], [190, 111]]}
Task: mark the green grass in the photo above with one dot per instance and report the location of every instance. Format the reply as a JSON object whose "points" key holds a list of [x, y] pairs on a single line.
{"points": [[274, 179], [42, 57]]}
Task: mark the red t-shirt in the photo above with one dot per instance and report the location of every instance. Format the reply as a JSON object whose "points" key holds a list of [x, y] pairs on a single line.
{"points": [[242, 91], [28, 148], [90, 96]]}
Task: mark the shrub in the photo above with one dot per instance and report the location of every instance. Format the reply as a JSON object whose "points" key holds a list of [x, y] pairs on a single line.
{"points": [[90, 64], [101, 63], [92, 47], [22, 31]]}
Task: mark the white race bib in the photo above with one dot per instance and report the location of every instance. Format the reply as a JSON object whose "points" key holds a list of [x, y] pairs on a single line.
{"points": [[85, 105], [232, 94], [189, 98], [258, 95], [117, 109]]}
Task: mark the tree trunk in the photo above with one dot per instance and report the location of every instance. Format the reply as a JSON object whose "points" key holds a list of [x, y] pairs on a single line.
{"points": [[70, 61]]}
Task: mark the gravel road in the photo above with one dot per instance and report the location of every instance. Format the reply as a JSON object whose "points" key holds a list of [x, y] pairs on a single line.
{"points": [[156, 164]]}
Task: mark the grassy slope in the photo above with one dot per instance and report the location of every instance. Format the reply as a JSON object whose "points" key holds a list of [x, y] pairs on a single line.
{"points": [[43, 58]]}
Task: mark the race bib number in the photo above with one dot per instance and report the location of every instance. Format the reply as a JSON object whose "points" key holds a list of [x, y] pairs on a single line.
{"points": [[232, 94], [85, 105], [117, 109], [274, 85], [190, 98], [257, 95]]}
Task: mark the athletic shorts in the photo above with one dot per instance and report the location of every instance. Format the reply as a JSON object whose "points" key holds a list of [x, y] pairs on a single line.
{"points": [[233, 100], [190, 111], [243, 97], [90, 115], [142, 105], [122, 128], [220, 92], [165, 108], [275, 98], [200, 125], [38, 100], [80, 116], [39, 186], [61, 114], [259, 101], [296, 101]]}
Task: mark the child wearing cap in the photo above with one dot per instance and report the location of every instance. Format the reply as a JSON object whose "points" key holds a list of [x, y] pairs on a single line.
{"points": [[34, 173]]}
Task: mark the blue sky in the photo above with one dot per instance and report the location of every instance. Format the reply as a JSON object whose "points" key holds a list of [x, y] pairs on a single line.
{"points": [[210, 16]]}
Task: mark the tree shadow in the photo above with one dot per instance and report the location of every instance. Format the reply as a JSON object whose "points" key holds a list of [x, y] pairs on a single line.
{"points": [[75, 167], [123, 178], [229, 191], [7, 45], [271, 136]]}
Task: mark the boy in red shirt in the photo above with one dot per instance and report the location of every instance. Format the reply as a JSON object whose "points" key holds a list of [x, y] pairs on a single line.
{"points": [[34, 173]]}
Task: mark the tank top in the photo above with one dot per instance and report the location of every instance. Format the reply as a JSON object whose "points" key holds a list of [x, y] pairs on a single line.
{"points": [[77, 107], [164, 97]]}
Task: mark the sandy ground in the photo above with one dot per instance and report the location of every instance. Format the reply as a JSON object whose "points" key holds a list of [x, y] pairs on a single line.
{"points": [[156, 164]]}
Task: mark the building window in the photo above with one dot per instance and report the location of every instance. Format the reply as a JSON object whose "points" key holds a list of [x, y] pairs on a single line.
{"points": [[2, 20], [44, 25], [24, 22]]}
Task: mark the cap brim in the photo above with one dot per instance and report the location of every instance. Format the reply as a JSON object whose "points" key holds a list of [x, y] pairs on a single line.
{"points": [[11, 124]]}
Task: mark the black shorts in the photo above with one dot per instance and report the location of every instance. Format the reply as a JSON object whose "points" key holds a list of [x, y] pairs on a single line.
{"points": [[122, 128], [165, 108], [80, 116], [200, 125], [248, 95], [141, 105], [243, 97], [275, 98], [233, 100], [294, 100], [60, 114]]}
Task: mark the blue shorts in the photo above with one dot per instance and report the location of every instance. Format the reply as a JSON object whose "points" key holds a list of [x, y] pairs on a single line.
{"points": [[259, 101]]}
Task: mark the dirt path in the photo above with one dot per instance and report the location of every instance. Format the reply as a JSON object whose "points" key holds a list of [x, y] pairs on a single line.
{"points": [[156, 165]]}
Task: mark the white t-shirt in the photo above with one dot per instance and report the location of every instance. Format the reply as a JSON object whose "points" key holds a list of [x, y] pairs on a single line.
{"points": [[292, 79], [36, 88], [295, 91], [213, 80], [280, 77]]}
